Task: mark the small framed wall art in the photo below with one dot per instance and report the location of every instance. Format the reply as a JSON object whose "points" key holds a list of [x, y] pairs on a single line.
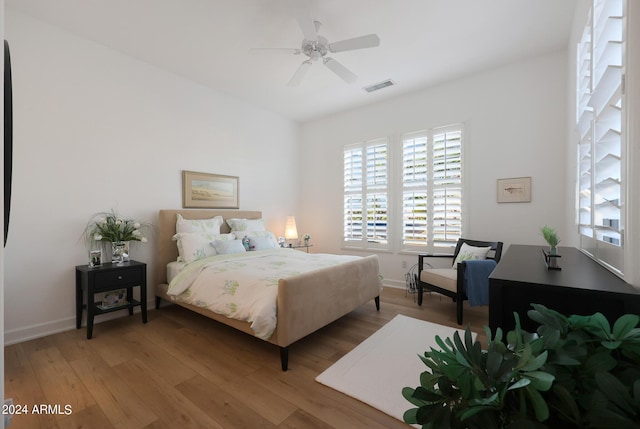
{"points": [[211, 191], [514, 190]]}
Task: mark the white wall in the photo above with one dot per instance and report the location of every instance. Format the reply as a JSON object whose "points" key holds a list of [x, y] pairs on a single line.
{"points": [[515, 123], [96, 130]]}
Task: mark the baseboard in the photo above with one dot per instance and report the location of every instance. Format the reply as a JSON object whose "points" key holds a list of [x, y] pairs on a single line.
{"points": [[396, 284], [40, 330], [20, 335]]}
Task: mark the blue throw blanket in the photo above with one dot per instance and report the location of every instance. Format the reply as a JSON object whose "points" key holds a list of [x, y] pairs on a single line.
{"points": [[476, 281]]}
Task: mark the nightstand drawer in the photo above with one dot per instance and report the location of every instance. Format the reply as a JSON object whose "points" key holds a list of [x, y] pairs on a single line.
{"points": [[111, 279]]}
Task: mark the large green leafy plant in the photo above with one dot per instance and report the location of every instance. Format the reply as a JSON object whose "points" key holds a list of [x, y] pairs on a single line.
{"points": [[574, 372]]}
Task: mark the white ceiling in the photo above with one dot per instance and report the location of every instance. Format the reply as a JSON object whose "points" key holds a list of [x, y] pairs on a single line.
{"points": [[423, 42]]}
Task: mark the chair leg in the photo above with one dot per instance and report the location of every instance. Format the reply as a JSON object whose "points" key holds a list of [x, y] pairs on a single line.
{"points": [[459, 303], [420, 290]]}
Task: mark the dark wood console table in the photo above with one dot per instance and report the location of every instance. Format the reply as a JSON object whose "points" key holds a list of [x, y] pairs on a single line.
{"points": [[582, 286]]}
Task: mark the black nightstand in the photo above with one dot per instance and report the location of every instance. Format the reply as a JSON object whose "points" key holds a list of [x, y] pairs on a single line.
{"points": [[106, 278]]}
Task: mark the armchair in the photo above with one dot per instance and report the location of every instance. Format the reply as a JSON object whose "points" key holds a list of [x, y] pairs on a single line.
{"points": [[451, 281]]}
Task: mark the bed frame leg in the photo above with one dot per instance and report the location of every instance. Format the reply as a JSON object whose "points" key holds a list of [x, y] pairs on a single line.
{"points": [[284, 357], [158, 299], [377, 299]]}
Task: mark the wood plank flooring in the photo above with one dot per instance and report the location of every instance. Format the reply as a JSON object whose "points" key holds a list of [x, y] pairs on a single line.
{"points": [[184, 370]]}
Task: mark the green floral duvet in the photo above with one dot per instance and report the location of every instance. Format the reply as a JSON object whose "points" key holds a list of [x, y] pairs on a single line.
{"points": [[244, 286]]}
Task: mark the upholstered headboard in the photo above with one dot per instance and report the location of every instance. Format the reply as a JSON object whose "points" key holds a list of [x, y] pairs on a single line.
{"points": [[167, 248]]}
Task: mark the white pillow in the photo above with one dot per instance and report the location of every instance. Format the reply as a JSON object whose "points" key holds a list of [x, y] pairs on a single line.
{"points": [[192, 247], [263, 242], [254, 234], [210, 226], [245, 225], [228, 246], [470, 253]]}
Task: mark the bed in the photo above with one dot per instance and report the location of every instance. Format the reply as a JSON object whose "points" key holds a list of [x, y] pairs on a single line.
{"points": [[305, 302]]}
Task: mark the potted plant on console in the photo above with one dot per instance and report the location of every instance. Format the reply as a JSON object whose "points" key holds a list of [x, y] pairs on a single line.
{"points": [[551, 237]]}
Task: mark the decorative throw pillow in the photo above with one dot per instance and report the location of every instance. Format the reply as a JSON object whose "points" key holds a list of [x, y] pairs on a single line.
{"points": [[246, 225], [263, 242], [470, 253], [228, 246], [210, 226], [192, 246]]}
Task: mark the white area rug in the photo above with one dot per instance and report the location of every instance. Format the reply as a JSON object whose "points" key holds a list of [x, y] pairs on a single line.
{"points": [[377, 370]]}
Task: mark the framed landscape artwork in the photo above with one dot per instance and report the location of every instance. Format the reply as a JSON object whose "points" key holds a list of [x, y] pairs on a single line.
{"points": [[211, 191]]}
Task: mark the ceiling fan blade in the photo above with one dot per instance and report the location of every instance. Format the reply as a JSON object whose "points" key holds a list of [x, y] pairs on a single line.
{"points": [[362, 42], [293, 51], [306, 22], [299, 74], [340, 70]]}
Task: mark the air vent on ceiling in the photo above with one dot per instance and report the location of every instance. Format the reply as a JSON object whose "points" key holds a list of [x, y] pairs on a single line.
{"points": [[379, 85]]}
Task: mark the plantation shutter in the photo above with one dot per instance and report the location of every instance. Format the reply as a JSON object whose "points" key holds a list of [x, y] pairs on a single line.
{"points": [[447, 188], [414, 194], [600, 96], [366, 180], [353, 169], [376, 192], [432, 190]]}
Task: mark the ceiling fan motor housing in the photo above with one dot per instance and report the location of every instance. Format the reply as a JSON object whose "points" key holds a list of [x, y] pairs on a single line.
{"points": [[315, 49]]}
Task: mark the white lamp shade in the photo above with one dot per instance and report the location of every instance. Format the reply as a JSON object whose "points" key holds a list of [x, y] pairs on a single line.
{"points": [[290, 230]]}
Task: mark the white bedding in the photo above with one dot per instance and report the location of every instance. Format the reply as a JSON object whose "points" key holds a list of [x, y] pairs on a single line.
{"points": [[173, 269], [244, 286]]}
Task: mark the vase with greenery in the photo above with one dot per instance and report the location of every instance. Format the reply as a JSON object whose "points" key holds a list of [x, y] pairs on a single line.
{"points": [[574, 372], [118, 231], [551, 237]]}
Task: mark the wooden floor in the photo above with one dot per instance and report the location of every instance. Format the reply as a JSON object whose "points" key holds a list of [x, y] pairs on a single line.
{"points": [[181, 370]]}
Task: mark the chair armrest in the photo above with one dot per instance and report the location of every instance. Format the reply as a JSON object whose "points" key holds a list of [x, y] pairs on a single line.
{"points": [[460, 276], [423, 256]]}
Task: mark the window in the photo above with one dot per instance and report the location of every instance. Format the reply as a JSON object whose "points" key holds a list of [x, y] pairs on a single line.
{"points": [[366, 195], [432, 190], [426, 195], [600, 104]]}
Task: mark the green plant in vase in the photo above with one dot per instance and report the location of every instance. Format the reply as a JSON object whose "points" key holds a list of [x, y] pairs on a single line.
{"points": [[118, 231], [551, 237]]}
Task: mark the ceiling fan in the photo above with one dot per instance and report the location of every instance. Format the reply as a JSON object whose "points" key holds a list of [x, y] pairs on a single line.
{"points": [[316, 48]]}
